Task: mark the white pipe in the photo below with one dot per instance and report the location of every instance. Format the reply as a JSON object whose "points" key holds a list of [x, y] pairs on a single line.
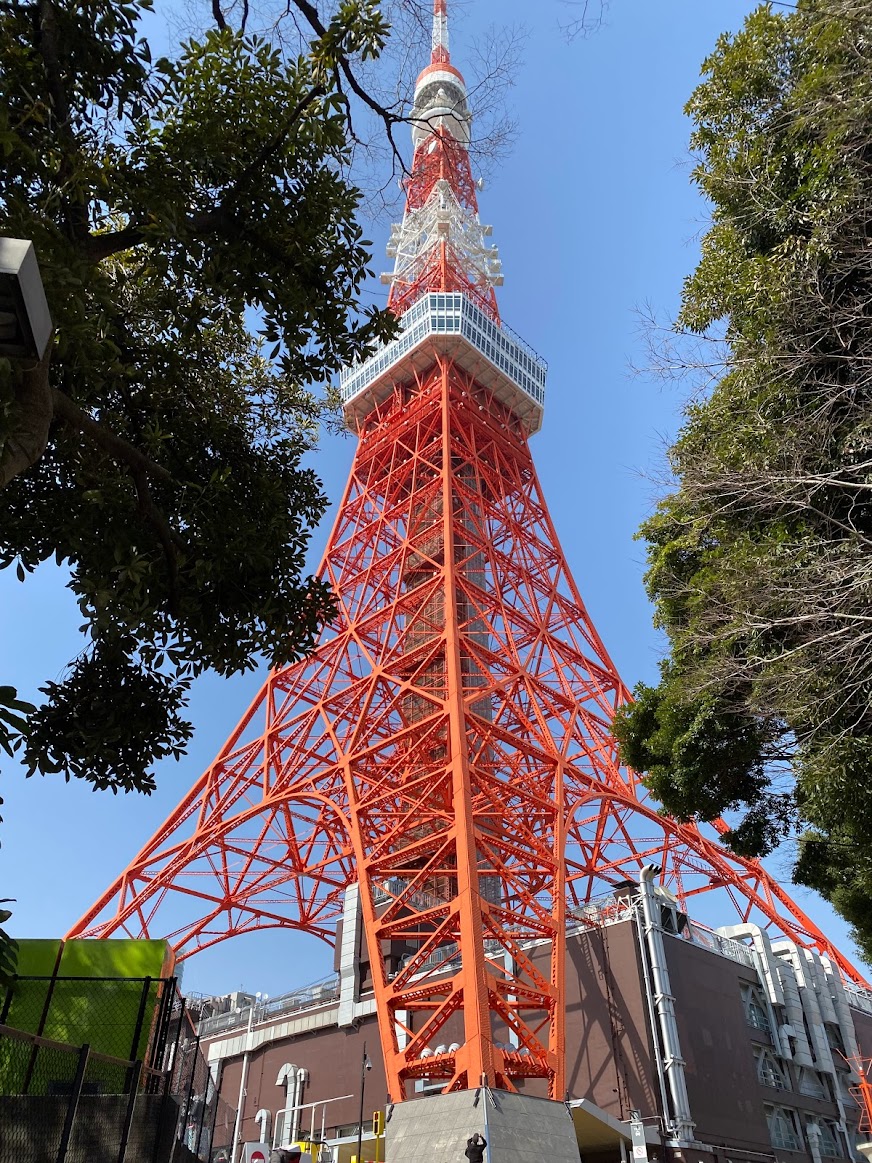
{"points": [[664, 1004], [288, 1077], [813, 1134], [243, 1079], [767, 972], [302, 1079], [652, 1018], [840, 1001], [827, 1011], [262, 1119], [809, 999], [821, 986], [793, 1007], [816, 1002]]}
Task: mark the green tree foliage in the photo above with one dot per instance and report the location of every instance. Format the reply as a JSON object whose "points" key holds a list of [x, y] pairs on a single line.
{"points": [[196, 233], [760, 559], [156, 450]]}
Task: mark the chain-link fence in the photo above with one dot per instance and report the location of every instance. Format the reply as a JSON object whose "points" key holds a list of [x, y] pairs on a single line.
{"points": [[124, 1017], [62, 1101], [69, 1104], [205, 1120]]}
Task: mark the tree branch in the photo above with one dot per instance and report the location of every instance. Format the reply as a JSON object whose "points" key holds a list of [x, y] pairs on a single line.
{"points": [[32, 416], [102, 246], [390, 119], [75, 212], [117, 447], [141, 469]]}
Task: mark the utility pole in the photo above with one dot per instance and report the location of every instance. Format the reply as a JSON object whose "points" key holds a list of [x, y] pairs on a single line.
{"points": [[365, 1065], [243, 1079]]}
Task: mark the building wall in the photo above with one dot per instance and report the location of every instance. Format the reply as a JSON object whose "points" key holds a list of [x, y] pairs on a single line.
{"points": [[610, 1051], [725, 1096], [333, 1059], [609, 1054]]}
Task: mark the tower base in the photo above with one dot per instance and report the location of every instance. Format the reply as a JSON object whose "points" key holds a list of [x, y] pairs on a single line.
{"points": [[517, 1128]]}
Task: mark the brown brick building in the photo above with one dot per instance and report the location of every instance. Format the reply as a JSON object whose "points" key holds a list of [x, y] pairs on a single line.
{"points": [[729, 1048]]}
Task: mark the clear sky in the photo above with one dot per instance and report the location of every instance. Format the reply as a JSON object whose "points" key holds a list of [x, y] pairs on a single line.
{"points": [[595, 216]]}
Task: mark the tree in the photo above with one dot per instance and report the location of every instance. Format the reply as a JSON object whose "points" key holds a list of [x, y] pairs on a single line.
{"points": [[156, 450], [759, 559], [196, 232]]}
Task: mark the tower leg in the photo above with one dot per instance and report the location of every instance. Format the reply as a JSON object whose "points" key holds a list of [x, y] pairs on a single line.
{"points": [[516, 1127]]}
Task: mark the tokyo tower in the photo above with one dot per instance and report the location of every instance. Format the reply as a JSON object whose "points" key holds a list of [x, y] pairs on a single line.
{"points": [[447, 746]]}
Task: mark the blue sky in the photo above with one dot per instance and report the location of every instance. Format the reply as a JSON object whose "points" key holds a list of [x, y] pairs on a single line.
{"points": [[595, 216]]}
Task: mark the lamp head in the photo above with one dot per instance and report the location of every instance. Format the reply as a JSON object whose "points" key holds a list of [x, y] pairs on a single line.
{"points": [[25, 324]]}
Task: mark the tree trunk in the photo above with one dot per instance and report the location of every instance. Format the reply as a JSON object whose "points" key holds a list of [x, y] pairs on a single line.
{"points": [[32, 414]]}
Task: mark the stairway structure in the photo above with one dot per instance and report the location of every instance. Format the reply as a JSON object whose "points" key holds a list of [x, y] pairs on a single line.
{"points": [[448, 745]]}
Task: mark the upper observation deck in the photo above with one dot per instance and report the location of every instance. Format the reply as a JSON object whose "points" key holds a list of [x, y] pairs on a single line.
{"points": [[450, 323]]}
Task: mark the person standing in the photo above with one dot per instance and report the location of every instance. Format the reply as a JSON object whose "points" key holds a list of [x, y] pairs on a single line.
{"points": [[475, 1148]]}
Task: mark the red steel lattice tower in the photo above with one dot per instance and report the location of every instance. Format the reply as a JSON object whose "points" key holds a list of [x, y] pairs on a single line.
{"points": [[447, 746]]}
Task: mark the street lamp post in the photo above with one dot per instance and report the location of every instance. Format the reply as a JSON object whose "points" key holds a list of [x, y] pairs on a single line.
{"points": [[364, 1066]]}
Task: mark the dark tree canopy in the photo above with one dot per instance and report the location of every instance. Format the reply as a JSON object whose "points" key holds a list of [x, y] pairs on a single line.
{"points": [[178, 208], [196, 233], [760, 559]]}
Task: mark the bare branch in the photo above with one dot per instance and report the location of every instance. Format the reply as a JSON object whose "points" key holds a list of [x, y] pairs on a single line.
{"points": [[588, 18]]}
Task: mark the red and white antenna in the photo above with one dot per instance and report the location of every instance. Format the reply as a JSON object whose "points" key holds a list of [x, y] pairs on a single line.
{"points": [[439, 54], [440, 245]]}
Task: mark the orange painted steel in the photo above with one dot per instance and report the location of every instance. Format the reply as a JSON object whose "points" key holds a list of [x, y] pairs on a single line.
{"points": [[440, 157], [862, 1092], [448, 745]]}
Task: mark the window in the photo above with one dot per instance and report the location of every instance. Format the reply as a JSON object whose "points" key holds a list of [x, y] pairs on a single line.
{"points": [[770, 1070], [828, 1135], [844, 1087], [783, 1129], [834, 1037], [346, 1131], [808, 1082], [755, 1010]]}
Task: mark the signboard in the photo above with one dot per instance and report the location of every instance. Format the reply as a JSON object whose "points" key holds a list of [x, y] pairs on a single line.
{"points": [[255, 1153], [637, 1136]]}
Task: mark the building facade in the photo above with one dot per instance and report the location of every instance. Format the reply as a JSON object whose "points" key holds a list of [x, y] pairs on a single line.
{"points": [[722, 1044]]}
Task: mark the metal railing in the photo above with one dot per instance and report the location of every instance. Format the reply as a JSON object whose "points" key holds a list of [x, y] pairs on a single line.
{"points": [[447, 313], [724, 946], [318, 993], [607, 909], [859, 998]]}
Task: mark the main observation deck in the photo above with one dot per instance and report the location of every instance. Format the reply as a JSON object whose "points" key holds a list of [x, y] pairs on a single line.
{"points": [[449, 323]]}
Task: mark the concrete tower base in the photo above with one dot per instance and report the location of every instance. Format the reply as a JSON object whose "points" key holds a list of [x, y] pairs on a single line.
{"points": [[518, 1128]]}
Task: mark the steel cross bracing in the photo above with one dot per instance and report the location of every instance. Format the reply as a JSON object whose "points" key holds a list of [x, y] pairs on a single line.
{"points": [[448, 744]]}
